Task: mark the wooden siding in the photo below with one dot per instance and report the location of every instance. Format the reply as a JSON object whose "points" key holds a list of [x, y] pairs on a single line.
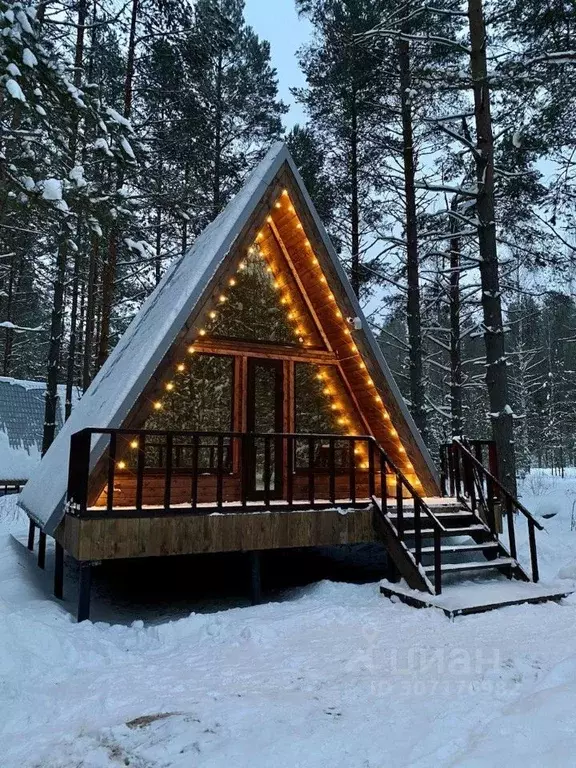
{"points": [[115, 538]]}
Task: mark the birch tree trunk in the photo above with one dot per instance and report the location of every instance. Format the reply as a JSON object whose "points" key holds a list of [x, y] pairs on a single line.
{"points": [[496, 372]]}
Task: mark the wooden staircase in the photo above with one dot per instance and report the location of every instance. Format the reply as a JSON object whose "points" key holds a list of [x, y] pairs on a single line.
{"points": [[431, 541]]}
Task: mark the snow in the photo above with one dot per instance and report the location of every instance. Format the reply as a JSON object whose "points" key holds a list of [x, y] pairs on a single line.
{"points": [[331, 674], [118, 118], [126, 146], [77, 175], [18, 328], [14, 90], [24, 23], [102, 145], [51, 189], [28, 58]]}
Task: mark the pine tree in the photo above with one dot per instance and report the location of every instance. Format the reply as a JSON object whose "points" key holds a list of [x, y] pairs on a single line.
{"points": [[346, 100]]}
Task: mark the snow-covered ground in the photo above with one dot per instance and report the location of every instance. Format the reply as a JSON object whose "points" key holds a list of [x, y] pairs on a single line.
{"points": [[332, 675]]}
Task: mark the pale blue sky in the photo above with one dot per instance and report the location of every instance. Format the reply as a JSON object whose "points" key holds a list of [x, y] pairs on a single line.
{"points": [[278, 22]]}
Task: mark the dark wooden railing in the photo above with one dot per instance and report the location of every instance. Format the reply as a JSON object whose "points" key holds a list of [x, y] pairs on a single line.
{"points": [[219, 468], [143, 472], [404, 490], [465, 475]]}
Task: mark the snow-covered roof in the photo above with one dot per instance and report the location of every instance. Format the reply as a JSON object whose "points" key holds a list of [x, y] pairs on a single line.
{"points": [[21, 425], [149, 337]]}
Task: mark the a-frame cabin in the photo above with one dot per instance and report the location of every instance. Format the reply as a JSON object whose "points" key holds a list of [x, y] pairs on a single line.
{"points": [[247, 407]]}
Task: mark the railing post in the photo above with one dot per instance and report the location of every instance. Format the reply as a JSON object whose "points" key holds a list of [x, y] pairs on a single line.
{"points": [[311, 490], [290, 470], [140, 465], [383, 479], [533, 552], [332, 470], [79, 470], [437, 561], [371, 473], [490, 512], [352, 470], [457, 474], [168, 471], [267, 473], [399, 507], [451, 458], [245, 462], [220, 471], [417, 530], [511, 529], [443, 470], [111, 473]]}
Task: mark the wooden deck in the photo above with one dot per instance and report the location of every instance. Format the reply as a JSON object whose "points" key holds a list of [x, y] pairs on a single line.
{"points": [[153, 533], [106, 538]]}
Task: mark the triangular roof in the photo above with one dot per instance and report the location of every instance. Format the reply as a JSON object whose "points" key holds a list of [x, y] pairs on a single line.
{"points": [[170, 310]]}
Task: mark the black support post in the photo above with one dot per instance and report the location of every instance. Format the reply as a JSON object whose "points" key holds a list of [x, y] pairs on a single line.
{"points": [[256, 578], [84, 585], [59, 571], [31, 533], [42, 550]]}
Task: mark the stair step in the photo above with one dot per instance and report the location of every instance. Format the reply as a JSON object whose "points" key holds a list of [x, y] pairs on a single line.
{"points": [[475, 566], [450, 520], [460, 547], [439, 515], [467, 530]]}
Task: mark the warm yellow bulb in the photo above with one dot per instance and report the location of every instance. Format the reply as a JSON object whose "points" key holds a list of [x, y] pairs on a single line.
{"points": [[222, 298], [278, 205], [134, 444], [242, 265], [300, 225], [276, 285], [202, 332], [259, 236], [320, 376], [232, 281], [284, 191], [212, 315], [269, 270], [292, 315], [121, 465], [284, 300], [158, 405], [169, 386], [327, 390], [322, 279], [348, 332], [269, 219], [315, 261], [181, 367], [191, 350]]}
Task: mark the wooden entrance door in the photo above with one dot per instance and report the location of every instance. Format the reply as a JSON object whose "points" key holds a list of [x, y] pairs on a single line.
{"points": [[264, 414]]}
